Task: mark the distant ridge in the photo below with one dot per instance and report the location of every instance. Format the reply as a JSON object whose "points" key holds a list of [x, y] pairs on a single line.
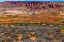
{"points": [[33, 1], [33, 5]]}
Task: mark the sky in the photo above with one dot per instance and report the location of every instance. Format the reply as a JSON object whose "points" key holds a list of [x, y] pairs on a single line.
{"points": [[32, 0]]}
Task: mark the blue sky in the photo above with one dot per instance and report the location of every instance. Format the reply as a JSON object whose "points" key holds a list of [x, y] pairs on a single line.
{"points": [[33, 0]]}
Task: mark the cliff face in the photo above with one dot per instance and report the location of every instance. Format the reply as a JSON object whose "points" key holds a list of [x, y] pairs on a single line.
{"points": [[32, 5], [31, 11]]}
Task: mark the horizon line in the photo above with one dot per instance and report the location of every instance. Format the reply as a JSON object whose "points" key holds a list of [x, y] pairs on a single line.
{"points": [[32, 1]]}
